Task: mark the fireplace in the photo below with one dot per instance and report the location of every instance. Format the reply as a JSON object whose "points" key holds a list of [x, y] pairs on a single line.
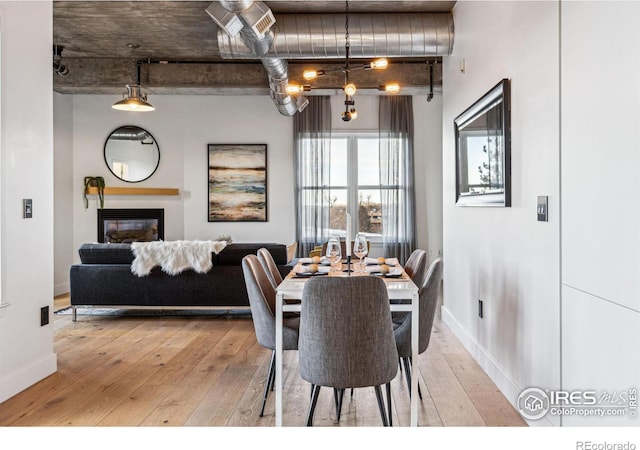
{"points": [[130, 225]]}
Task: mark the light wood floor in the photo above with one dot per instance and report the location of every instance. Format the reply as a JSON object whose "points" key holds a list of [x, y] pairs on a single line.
{"points": [[210, 371]]}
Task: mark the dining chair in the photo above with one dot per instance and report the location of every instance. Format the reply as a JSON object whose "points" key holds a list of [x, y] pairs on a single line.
{"points": [[346, 337], [416, 266], [428, 301], [416, 269], [270, 267], [262, 300]]}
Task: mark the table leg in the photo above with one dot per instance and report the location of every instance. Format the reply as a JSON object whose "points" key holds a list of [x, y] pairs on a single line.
{"points": [[279, 362], [415, 332]]}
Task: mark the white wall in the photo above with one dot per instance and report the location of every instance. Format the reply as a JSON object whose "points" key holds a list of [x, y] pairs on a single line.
{"points": [[247, 120], [26, 348], [184, 125], [63, 191], [428, 173], [93, 121], [503, 255], [600, 207]]}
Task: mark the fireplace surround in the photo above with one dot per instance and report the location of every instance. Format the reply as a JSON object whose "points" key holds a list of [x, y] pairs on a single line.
{"points": [[130, 225]]}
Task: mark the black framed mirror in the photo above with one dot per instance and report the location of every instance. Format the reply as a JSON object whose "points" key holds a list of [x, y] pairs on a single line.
{"points": [[483, 150], [131, 153]]}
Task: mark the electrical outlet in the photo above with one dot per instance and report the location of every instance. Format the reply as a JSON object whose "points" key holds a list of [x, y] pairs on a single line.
{"points": [[480, 309], [44, 316]]}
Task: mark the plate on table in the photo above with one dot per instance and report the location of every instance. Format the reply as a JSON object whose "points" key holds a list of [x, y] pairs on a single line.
{"points": [[323, 262], [386, 275], [391, 262], [309, 274]]}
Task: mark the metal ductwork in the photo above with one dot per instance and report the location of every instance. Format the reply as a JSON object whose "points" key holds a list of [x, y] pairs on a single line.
{"points": [[247, 31], [317, 36], [251, 23]]}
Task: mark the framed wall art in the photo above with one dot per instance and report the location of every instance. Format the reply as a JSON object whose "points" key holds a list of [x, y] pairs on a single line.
{"points": [[237, 182], [483, 150]]}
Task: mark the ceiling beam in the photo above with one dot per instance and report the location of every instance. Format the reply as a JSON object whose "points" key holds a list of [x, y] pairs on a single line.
{"points": [[110, 75]]}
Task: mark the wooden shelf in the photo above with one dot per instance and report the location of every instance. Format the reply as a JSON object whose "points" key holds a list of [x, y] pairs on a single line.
{"points": [[134, 191]]}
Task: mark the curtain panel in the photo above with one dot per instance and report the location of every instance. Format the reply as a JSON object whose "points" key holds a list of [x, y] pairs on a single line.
{"points": [[312, 152], [396, 173]]}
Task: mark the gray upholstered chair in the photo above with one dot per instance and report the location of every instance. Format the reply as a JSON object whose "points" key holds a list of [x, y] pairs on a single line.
{"points": [[346, 337], [428, 301], [262, 299], [267, 261], [416, 266]]}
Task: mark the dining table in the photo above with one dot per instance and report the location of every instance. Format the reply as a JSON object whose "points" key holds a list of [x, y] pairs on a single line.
{"points": [[399, 287]]}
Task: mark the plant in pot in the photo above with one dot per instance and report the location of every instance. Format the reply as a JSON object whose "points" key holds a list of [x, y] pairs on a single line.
{"points": [[97, 182]]}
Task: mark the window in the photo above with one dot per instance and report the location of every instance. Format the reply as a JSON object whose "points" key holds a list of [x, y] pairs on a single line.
{"points": [[354, 185]]}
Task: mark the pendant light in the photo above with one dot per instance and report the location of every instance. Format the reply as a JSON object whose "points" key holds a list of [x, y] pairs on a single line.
{"points": [[349, 88], [134, 100]]}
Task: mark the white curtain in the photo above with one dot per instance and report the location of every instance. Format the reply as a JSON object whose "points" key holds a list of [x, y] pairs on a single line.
{"points": [[312, 144], [396, 176]]}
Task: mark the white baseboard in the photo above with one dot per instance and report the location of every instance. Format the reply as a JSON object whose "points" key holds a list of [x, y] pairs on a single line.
{"points": [[502, 379], [25, 377]]}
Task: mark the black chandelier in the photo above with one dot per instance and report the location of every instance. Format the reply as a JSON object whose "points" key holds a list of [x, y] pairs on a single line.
{"points": [[349, 88]]}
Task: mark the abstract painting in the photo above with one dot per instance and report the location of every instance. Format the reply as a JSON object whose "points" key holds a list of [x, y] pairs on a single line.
{"points": [[237, 182]]}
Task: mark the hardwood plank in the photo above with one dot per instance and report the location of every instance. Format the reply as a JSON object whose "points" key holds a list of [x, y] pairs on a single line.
{"points": [[145, 397], [51, 395], [451, 400], [204, 371], [130, 369], [176, 408], [492, 406]]}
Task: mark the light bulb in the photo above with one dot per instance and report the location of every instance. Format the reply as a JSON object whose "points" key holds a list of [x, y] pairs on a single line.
{"points": [[392, 88], [293, 89], [312, 74], [349, 114], [350, 89], [381, 63]]}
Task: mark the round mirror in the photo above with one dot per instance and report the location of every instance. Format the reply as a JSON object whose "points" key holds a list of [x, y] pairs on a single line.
{"points": [[131, 154]]}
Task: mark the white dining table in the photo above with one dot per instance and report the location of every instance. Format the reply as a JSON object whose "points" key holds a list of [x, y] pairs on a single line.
{"points": [[398, 289]]}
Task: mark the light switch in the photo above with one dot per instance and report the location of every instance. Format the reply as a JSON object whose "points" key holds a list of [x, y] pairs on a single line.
{"points": [[543, 208], [27, 208]]}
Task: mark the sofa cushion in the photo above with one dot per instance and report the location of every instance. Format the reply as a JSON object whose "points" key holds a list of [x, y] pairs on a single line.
{"points": [[97, 253], [233, 253]]}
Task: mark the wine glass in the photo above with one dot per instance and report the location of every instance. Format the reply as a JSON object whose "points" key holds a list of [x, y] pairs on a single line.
{"points": [[334, 252], [360, 248]]}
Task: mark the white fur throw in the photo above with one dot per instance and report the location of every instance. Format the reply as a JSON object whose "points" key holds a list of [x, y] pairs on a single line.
{"points": [[174, 256]]}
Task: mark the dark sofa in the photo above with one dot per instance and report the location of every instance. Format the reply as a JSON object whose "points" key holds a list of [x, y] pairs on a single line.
{"points": [[104, 279]]}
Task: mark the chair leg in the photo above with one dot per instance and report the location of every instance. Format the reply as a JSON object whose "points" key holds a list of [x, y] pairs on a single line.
{"points": [[407, 372], [383, 413], [389, 404], [269, 382], [315, 391], [338, 395]]}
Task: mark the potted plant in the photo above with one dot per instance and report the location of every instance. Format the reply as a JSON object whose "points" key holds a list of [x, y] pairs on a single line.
{"points": [[97, 182]]}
